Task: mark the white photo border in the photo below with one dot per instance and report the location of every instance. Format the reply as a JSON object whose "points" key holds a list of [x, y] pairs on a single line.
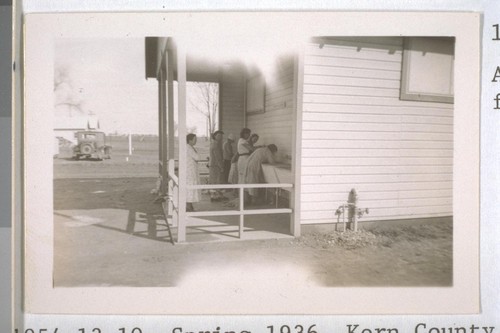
{"points": [[41, 297]]}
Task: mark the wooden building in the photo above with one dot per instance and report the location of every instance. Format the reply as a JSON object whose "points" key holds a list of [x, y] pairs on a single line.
{"points": [[374, 114], [358, 131]]}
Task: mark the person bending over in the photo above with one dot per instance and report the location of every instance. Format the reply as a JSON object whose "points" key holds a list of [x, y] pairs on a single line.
{"points": [[254, 173]]}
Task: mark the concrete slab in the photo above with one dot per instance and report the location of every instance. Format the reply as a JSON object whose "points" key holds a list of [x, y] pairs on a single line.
{"points": [[226, 228]]}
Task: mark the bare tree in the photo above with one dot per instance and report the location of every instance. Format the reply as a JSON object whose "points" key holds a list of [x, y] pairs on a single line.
{"points": [[207, 103]]}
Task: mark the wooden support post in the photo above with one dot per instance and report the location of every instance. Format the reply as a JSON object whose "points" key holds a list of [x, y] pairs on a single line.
{"points": [[181, 80], [298, 90], [170, 105], [169, 140], [163, 188], [163, 128], [241, 192]]}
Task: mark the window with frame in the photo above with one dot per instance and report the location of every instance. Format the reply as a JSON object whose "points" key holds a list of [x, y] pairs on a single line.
{"points": [[428, 69]]}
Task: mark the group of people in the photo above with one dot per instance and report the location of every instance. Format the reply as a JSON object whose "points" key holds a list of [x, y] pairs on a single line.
{"points": [[226, 166]]}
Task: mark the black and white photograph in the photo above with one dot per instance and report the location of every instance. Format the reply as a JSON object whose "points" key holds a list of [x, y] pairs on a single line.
{"points": [[147, 157], [293, 165]]}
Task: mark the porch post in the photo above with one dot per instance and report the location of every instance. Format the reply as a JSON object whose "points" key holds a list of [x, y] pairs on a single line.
{"points": [[160, 138], [170, 140], [181, 81], [160, 132], [298, 90], [170, 102], [163, 130]]}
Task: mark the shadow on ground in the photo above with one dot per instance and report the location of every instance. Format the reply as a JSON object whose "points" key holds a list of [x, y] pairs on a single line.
{"points": [[144, 219]]}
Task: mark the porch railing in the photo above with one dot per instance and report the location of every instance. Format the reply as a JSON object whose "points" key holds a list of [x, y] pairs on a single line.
{"points": [[171, 206], [241, 212]]}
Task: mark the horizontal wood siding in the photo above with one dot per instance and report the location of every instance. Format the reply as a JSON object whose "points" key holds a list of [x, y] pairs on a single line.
{"points": [[275, 125], [357, 133], [232, 100]]}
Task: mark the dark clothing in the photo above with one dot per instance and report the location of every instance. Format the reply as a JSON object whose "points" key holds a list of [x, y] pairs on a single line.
{"points": [[225, 171], [228, 150], [216, 163], [228, 154]]}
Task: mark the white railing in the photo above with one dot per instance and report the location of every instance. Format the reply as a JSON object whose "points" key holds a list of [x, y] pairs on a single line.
{"points": [[171, 205], [242, 212]]}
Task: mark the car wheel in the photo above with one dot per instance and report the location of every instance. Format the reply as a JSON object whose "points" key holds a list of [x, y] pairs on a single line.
{"points": [[86, 149]]}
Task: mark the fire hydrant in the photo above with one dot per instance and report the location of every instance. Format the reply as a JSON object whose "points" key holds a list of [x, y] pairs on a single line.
{"points": [[353, 212]]}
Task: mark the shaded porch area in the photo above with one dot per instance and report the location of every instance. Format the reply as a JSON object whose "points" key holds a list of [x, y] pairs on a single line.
{"points": [[251, 94]]}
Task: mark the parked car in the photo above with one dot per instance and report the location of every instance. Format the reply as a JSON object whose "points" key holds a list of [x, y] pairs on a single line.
{"points": [[91, 145]]}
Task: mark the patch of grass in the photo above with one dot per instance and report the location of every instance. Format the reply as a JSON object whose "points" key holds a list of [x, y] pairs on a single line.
{"points": [[385, 237], [347, 239], [414, 233]]}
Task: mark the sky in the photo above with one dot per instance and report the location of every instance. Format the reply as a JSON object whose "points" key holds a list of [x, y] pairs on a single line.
{"points": [[107, 76]]}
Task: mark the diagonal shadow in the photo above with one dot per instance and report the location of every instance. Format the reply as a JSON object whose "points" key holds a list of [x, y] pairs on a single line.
{"points": [[128, 194]]}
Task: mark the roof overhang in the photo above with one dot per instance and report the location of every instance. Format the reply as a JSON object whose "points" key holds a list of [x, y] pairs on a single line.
{"points": [[151, 55], [199, 69]]}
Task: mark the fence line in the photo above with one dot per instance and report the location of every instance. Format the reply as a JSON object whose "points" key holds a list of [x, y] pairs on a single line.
{"points": [[242, 212], [233, 186], [173, 199]]}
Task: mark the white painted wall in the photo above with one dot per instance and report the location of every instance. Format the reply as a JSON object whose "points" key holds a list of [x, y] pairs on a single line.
{"points": [[232, 99], [276, 123], [357, 133]]}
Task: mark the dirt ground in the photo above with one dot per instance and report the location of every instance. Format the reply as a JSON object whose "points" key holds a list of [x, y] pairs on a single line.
{"points": [[109, 232]]}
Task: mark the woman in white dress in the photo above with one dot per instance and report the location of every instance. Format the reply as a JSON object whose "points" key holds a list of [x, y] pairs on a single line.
{"points": [[192, 176]]}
